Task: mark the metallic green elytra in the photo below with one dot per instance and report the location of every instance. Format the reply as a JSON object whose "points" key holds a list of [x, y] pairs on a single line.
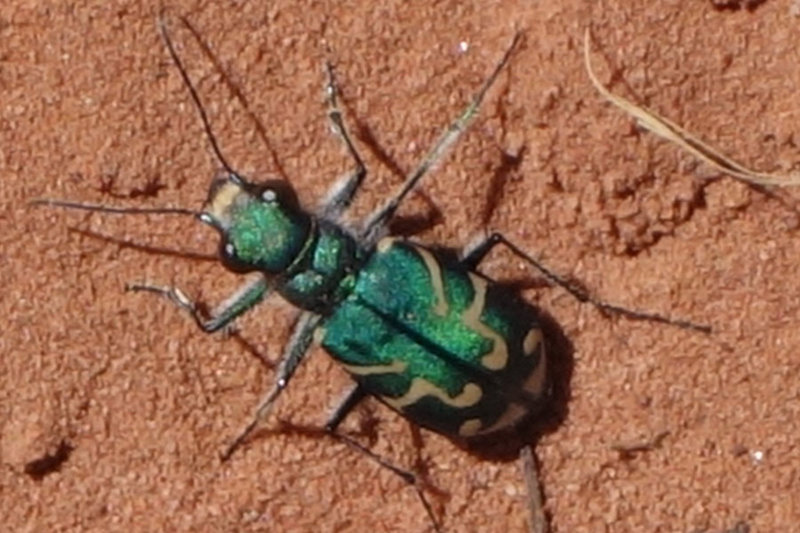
{"points": [[439, 343]]}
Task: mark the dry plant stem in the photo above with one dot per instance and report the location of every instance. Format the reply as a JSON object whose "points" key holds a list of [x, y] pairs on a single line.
{"points": [[530, 472], [677, 135]]}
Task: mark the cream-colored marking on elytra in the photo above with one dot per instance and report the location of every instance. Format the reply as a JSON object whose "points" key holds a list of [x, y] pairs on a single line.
{"points": [[470, 428], [470, 395], [223, 198], [437, 283], [534, 384], [531, 341], [498, 357], [513, 414], [395, 367], [385, 244]]}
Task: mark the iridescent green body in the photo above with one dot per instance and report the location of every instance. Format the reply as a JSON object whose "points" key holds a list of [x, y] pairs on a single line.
{"points": [[439, 343]]}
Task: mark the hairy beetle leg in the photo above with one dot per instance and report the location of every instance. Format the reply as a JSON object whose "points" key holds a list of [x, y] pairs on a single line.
{"points": [[377, 221], [293, 355], [342, 193], [244, 298]]}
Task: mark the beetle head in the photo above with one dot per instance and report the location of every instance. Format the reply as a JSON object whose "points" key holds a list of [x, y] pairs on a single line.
{"points": [[261, 224]]}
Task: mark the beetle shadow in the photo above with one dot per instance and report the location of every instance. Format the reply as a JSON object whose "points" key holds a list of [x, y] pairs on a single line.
{"points": [[412, 225]]}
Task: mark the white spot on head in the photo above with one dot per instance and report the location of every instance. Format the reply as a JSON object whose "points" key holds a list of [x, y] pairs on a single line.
{"points": [[757, 456], [463, 46], [269, 195], [205, 218], [229, 249]]}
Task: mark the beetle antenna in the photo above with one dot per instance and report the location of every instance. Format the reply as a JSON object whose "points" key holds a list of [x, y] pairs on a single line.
{"points": [[115, 210], [162, 27]]}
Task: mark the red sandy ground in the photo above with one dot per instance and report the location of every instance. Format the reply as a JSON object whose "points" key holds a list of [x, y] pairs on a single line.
{"points": [[88, 96]]}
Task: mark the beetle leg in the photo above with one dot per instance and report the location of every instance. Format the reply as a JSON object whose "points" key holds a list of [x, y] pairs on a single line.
{"points": [[248, 295], [293, 354], [342, 193], [353, 397], [474, 253], [377, 221], [473, 257], [405, 475], [346, 405]]}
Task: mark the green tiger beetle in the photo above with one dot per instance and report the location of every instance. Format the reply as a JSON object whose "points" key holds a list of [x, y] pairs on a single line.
{"points": [[423, 332]]}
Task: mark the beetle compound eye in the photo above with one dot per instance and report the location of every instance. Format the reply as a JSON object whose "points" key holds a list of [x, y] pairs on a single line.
{"points": [[231, 260]]}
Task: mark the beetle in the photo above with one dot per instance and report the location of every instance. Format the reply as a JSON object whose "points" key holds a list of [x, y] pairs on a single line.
{"points": [[419, 329]]}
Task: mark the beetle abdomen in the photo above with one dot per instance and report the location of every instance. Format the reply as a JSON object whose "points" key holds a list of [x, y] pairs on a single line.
{"points": [[442, 345]]}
